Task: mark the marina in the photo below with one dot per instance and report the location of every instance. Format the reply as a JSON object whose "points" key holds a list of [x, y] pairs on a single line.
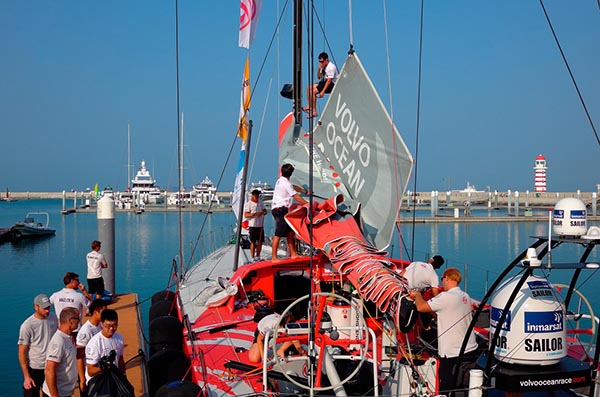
{"points": [[325, 301]]}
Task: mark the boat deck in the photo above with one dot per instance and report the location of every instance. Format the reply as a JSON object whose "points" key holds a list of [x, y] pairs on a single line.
{"points": [[127, 307]]}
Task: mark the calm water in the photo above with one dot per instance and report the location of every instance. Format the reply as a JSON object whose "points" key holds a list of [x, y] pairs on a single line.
{"points": [[146, 245]]}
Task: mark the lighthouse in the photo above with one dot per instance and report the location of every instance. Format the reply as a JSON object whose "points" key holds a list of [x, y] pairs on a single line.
{"points": [[540, 173]]}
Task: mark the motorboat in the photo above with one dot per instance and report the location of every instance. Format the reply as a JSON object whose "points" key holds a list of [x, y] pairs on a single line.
{"points": [[35, 224]]}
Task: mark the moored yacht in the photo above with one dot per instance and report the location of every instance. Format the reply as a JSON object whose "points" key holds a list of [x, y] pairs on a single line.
{"points": [[143, 185], [205, 192]]}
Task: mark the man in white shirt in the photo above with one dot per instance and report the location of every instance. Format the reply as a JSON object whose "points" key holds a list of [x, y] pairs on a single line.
{"points": [[328, 75], [71, 297], [454, 313], [34, 337], [267, 326], [283, 194], [102, 344], [95, 264], [85, 334], [422, 276], [255, 211]]}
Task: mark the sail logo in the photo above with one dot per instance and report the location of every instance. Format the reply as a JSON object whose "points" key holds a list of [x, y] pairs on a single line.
{"points": [[495, 318], [543, 322], [352, 152]]}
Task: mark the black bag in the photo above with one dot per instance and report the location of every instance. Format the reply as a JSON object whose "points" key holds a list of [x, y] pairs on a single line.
{"points": [[110, 383], [407, 314]]}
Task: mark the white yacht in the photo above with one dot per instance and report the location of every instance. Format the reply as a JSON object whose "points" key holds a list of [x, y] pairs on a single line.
{"points": [[205, 192], [266, 191], [143, 186]]}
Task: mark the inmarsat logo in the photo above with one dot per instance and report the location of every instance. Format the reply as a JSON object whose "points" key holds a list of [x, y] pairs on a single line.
{"points": [[542, 322]]}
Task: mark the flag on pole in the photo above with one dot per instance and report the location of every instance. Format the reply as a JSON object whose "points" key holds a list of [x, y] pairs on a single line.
{"points": [[242, 133], [96, 190], [249, 11]]}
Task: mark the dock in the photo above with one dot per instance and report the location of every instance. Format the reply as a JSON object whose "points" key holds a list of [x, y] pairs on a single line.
{"points": [[127, 306]]}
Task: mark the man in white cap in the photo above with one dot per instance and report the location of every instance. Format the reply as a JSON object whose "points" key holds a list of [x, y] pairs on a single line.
{"points": [[34, 336]]}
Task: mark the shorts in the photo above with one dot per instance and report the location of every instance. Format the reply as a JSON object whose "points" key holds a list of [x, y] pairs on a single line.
{"points": [[321, 84], [95, 285], [255, 233], [282, 229]]}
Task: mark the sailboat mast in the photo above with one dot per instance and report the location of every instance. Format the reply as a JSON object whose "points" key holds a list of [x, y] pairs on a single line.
{"points": [[128, 184], [240, 213], [181, 188], [297, 68]]}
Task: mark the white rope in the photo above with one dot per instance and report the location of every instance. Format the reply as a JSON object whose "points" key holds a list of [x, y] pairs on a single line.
{"points": [[260, 128], [350, 22], [387, 53]]}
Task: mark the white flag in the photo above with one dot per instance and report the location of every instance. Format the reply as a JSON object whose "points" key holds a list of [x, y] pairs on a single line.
{"points": [[249, 10]]}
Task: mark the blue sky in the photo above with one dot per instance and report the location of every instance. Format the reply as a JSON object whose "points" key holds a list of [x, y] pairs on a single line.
{"points": [[495, 92]]}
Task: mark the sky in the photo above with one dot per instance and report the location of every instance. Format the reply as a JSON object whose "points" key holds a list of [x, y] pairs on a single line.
{"points": [[495, 92]]}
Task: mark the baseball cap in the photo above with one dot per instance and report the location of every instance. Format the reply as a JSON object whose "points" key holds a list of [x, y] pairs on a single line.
{"points": [[42, 301]]}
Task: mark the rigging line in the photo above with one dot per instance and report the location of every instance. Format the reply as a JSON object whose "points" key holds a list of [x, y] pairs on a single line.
{"points": [[412, 249], [260, 128], [269, 47], [179, 159], [585, 109], [389, 73], [351, 33], [195, 245], [329, 49]]}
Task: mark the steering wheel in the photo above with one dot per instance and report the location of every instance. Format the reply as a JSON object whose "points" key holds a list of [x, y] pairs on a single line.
{"points": [[576, 317], [363, 343]]}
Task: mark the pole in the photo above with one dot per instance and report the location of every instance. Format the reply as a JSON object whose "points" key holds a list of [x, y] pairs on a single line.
{"points": [[106, 235], [236, 257]]}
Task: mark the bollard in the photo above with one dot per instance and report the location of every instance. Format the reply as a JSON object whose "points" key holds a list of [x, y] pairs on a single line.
{"points": [[106, 235]]}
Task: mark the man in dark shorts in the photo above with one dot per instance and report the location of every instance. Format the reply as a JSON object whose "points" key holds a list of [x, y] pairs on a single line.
{"points": [[328, 75], [255, 211], [283, 194], [95, 264]]}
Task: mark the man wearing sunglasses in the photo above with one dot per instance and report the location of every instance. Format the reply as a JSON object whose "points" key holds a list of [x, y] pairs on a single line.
{"points": [[328, 75]]}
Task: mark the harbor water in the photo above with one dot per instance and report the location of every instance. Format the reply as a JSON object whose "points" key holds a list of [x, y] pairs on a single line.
{"points": [[146, 244]]}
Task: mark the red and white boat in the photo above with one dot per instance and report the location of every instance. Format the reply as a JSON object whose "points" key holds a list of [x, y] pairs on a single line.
{"points": [[355, 320]]}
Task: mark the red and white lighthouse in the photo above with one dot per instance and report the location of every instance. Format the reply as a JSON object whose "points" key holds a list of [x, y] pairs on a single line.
{"points": [[540, 173]]}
